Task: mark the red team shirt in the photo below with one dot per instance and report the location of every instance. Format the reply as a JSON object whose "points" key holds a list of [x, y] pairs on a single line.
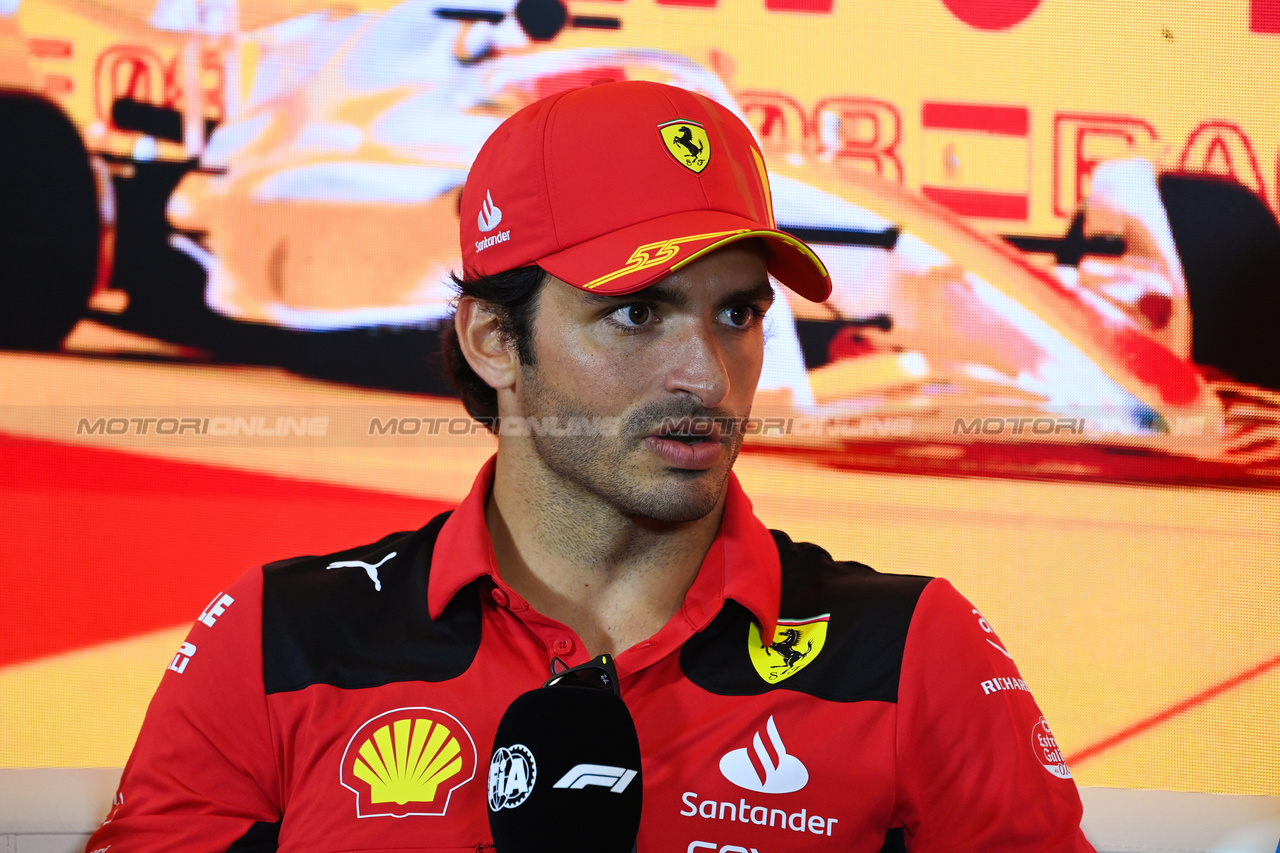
{"points": [[349, 702]]}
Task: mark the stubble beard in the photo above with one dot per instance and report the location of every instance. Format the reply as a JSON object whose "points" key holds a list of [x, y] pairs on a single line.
{"points": [[612, 466]]}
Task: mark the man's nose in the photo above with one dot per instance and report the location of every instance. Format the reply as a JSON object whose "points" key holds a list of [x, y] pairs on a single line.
{"points": [[697, 365]]}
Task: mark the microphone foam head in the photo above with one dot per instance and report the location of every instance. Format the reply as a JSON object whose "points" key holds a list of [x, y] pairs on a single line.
{"points": [[565, 773]]}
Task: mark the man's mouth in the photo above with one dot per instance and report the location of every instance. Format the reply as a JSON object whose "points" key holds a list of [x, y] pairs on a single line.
{"points": [[690, 443]]}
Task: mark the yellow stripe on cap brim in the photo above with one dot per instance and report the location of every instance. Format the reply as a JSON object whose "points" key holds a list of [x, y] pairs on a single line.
{"points": [[650, 255], [778, 236], [641, 259]]}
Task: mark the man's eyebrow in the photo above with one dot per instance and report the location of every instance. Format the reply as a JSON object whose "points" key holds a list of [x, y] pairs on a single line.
{"points": [[653, 293], [676, 296], [762, 292], [594, 298]]}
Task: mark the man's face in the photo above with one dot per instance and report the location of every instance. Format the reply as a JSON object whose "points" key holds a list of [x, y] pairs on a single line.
{"points": [[677, 363]]}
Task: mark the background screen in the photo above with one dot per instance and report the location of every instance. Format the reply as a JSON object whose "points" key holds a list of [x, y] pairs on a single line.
{"points": [[1047, 373]]}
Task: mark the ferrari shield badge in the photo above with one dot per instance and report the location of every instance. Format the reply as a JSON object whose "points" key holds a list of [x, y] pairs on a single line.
{"points": [[687, 141], [795, 643]]}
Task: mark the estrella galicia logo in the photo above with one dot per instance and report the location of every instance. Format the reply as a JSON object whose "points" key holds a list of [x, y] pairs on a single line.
{"points": [[512, 773], [796, 642], [1047, 750], [490, 216], [688, 143]]}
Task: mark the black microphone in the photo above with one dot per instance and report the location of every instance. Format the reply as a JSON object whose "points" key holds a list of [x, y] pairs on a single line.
{"points": [[564, 776]]}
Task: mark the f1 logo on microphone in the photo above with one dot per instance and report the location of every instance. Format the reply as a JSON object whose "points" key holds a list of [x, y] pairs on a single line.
{"points": [[616, 779]]}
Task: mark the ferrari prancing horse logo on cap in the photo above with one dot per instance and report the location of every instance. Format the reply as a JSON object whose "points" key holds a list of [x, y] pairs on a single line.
{"points": [[687, 141]]}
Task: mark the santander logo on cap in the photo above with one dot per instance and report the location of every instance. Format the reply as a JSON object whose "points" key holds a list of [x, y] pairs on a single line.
{"points": [[490, 216], [488, 219]]}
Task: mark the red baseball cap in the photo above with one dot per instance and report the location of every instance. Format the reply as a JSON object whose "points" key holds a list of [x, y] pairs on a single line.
{"points": [[615, 186]]}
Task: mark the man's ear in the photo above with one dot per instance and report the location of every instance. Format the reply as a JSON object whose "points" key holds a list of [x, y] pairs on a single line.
{"points": [[482, 344]]}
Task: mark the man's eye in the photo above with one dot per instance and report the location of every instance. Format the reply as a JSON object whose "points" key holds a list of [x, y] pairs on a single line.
{"points": [[740, 316], [634, 315]]}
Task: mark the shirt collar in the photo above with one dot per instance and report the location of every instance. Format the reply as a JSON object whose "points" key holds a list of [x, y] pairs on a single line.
{"points": [[742, 563]]}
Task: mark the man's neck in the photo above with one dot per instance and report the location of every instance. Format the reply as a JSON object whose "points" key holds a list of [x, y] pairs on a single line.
{"points": [[614, 579]]}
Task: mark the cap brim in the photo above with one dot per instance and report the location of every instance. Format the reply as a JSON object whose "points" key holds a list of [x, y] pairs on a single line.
{"points": [[634, 257]]}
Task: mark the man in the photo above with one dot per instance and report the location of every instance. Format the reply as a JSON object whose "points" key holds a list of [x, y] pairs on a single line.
{"points": [[617, 242]]}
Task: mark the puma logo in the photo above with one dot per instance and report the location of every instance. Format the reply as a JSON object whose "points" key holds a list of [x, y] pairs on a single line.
{"points": [[371, 570]]}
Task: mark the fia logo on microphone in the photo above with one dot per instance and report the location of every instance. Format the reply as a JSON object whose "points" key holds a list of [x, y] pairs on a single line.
{"points": [[512, 773]]}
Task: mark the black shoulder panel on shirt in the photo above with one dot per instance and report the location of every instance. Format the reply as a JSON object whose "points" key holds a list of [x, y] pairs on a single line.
{"points": [[859, 659], [359, 618]]}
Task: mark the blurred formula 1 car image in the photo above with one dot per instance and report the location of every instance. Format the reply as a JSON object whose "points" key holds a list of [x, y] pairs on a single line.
{"points": [[330, 203], [327, 203], [51, 224], [143, 83]]}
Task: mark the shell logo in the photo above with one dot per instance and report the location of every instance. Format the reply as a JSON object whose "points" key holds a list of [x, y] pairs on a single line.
{"points": [[408, 762]]}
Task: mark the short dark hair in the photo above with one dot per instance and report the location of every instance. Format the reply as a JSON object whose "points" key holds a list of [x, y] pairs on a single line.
{"points": [[512, 296]]}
